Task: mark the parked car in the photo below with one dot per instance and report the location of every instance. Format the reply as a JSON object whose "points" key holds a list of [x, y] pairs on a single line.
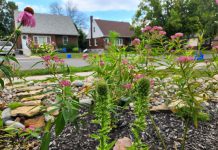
{"points": [[7, 48]]}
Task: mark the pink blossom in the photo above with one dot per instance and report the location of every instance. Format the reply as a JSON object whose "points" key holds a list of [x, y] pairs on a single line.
{"points": [[127, 86], [46, 58], [131, 67], [65, 83], [156, 28], [58, 60], [125, 61], [85, 56], [147, 28], [26, 17], [162, 33], [173, 37], [138, 76], [152, 83], [184, 59], [215, 47], [217, 2], [179, 35], [136, 41], [53, 43], [101, 63]]}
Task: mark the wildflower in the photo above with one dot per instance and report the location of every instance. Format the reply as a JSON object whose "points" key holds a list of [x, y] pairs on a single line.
{"points": [[53, 43], [215, 47], [131, 67], [178, 35], [85, 56], [152, 83], [46, 58], [136, 41], [125, 61], [138, 76], [101, 63], [58, 60], [26, 17], [156, 28], [65, 83], [184, 59], [217, 2], [147, 28], [127, 86], [162, 33], [173, 37]]}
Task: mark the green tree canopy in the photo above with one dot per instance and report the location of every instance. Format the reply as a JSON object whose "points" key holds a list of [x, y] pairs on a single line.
{"points": [[7, 17], [187, 16]]}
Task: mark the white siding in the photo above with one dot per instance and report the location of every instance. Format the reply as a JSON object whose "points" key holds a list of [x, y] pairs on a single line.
{"points": [[98, 33]]}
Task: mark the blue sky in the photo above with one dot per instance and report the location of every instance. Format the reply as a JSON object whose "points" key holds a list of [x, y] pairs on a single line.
{"points": [[120, 10]]}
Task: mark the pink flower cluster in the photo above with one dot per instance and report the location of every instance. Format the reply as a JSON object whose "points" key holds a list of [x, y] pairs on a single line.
{"points": [[217, 2], [65, 83], [177, 35], [26, 17], [127, 86], [158, 29], [85, 56], [101, 63], [215, 47], [136, 41], [185, 59], [49, 58], [138, 76], [125, 61]]}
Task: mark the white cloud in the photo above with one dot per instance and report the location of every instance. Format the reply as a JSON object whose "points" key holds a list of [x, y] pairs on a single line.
{"points": [[105, 5]]}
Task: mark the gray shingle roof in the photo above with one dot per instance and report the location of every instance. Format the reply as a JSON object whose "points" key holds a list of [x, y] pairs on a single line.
{"points": [[50, 24]]}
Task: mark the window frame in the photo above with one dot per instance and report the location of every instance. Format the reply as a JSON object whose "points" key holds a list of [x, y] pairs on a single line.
{"points": [[63, 40], [36, 39], [96, 42]]}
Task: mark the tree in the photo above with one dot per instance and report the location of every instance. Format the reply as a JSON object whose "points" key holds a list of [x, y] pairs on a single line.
{"points": [[82, 42], [7, 17], [69, 9], [187, 16]]}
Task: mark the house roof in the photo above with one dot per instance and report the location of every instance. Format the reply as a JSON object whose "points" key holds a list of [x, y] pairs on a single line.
{"points": [[50, 24], [123, 28]]}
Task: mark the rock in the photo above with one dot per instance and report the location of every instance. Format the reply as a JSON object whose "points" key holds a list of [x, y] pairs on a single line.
{"points": [[36, 97], [200, 66], [215, 77], [2, 105], [78, 83], [32, 88], [6, 114], [176, 104], [162, 107], [86, 101], [53, 110], [216, 94], [123, 144], [36, 122], [29, 93], [131, 105], [16, 86], [49, 117], [84, 74], [32, 103], [14, 124], [28, 111]]}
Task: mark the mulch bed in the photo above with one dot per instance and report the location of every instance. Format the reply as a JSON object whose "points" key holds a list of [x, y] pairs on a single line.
{"points": [[205, 137]]}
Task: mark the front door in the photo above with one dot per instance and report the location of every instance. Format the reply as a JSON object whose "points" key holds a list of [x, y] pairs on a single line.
{"points": [[26, 50]]}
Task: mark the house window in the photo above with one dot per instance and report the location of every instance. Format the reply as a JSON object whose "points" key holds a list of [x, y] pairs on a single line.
{"points": [[96, 43], [93, 29], [65, 40], [42, 40], [119, 42], [107, 40]]}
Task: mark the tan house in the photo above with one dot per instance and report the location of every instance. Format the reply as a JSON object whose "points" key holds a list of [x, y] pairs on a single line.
{"points": [[98, 36]]}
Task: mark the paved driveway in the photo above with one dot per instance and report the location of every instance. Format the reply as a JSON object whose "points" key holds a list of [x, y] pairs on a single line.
{"points": [[26, 63]]}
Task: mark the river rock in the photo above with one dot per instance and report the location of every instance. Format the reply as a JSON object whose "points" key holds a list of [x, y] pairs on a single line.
{"points": [[28, 111], [123, 144], [49, 117], [32, 88], [14, 124], [78, 83], [162, 107], [53, 110], [86, 101], [2, 105], [215, 77], [6, 114], [36, 122], [29, 93]]}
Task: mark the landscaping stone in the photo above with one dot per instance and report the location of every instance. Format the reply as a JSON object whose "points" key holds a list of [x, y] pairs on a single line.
{"points": [[36, 97], [32, 88], [6, 114], [215, 77], [162, 107], [30, 93], [2, 105], [49, 117], [53, 110], [36, 122], [123, 144], [28, 111], [86, 101], [14, 124], [84, 74], [176, 104], [32, 103]]}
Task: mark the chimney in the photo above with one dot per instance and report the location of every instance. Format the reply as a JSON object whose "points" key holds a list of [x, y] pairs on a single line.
{"points": [[91, 29]]}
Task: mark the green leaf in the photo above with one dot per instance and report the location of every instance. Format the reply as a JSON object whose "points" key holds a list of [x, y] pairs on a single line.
{"points": [[37, 63], [2, 83], [59, 124], [13, 58], [45, 141]]}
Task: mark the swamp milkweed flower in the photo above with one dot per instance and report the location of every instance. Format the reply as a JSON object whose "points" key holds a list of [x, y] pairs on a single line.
{"points": [[178, 35], [127, 86], [65, 83], [217, 2], [46, 58], [185, 59], [147, 28], [125, 61], [26, 17], [138, 76], [85, 56], [101, 63], [162, 33], [136, 41]]}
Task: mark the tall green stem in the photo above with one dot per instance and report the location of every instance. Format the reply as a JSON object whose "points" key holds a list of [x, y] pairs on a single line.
{"points": [[185, 134]]}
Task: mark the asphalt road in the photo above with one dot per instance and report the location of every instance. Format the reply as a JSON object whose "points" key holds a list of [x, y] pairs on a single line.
{"points": [[26, 63]]}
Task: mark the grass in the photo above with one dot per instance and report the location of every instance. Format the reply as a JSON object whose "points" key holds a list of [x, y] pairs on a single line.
{"points": [[35, 72]]}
